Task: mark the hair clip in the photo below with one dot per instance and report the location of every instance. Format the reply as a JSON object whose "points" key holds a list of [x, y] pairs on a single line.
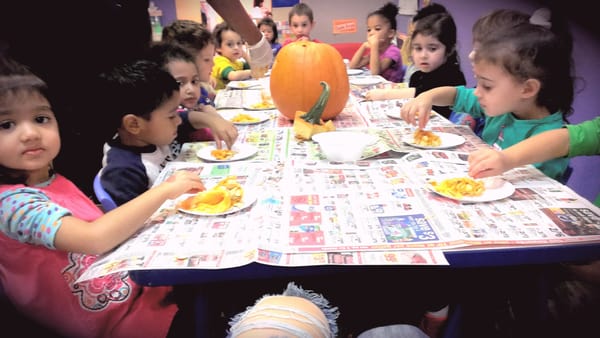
{"points": [[541, 17]]}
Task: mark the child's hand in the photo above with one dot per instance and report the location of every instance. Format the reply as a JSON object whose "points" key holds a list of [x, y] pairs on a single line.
{"points": [[376, 95], [488, 162], [182, 182], [373, 41], [223, 130], [417, 110]]}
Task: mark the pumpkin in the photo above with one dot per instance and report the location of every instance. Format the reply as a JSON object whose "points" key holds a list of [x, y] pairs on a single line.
{"points": [[297, 73]]}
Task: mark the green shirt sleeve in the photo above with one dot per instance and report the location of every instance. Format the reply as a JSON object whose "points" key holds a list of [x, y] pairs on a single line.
{"points": [[584, 138]]}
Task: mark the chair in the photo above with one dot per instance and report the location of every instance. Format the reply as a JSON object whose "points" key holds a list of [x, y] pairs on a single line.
{"points": [[103, 197], [346, 49]]}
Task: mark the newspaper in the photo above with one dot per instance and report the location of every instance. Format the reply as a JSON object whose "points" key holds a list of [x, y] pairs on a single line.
{"points": [[314, 212], [380, 210]]}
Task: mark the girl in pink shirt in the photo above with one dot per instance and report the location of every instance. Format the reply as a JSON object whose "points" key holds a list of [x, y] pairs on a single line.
{"points": [[51, 232], [378, 53]]}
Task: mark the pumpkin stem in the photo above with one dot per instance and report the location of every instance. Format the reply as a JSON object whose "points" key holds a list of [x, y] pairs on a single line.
{"points": [[314, 114]]}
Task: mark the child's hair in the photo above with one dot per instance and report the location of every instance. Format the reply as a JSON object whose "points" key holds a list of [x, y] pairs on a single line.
{"points": [[497, 19], [433, 8], [163, 52], [301, 9], [272, 24], [442, 27], [536, 49], [16, 78], [136, 88], [387, 11], [188, 33]]}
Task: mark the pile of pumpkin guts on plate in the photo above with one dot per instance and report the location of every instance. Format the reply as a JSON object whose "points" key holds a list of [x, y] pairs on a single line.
{"points": [[220, 198]]}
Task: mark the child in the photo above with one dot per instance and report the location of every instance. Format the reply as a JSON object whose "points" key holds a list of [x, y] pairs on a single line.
{"points": [[195, 115], [53, 232], [231, 59], [524, 87], [269, 29], [259, 49], [199, 42], [301, 21], [433, 50], [378, 52], [483, 27], [405, 49], [146, 120]]}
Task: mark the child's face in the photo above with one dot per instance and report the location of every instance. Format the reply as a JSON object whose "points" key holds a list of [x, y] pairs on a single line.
{"points": [[231, 45], [427, 52], [29, 137], [301, 26], [186, 75], [161, 129], [497, 91], [205, 62], [267, 31], [380, 27]]}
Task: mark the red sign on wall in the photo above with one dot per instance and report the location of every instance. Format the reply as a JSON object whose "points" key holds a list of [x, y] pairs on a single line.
{"points": [[344, 26]]}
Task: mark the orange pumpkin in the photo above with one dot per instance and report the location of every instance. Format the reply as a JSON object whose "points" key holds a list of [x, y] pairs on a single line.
{"points": [[297, 73]]}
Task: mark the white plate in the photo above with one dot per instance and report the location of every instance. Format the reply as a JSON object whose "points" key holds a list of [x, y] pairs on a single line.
{"points": [[243, 84], [247, 200], [354, 71], [244, 150], [448, 140], [249, 107], [490, 194], [365, 80], [262, 117]]}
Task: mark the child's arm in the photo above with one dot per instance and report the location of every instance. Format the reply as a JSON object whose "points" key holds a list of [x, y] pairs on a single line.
{"points": [[375, 64], [420, 108], [105, 233], [222, 129], [359, 59], [538, 148], [390, 94], [238, 75]]}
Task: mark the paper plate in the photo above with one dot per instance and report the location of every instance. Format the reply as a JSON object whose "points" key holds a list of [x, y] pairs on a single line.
{"points": [[243, 84], [259, 116], [448, 141], [490, 194], [247, 200], [354, 71], [243, 150], [365, 80], [255, 108]]}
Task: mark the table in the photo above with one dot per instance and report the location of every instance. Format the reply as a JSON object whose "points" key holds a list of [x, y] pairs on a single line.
{"points": [[280, 159]]}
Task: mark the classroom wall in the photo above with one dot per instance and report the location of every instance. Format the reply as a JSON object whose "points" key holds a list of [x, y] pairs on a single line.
{"points": [[585, 179]]}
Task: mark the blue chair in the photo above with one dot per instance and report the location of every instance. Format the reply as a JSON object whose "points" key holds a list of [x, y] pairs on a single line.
{"points": [[103, 197]]}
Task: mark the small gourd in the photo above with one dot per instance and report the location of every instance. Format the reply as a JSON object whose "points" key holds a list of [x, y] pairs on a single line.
{"points": [[307, 124]]}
